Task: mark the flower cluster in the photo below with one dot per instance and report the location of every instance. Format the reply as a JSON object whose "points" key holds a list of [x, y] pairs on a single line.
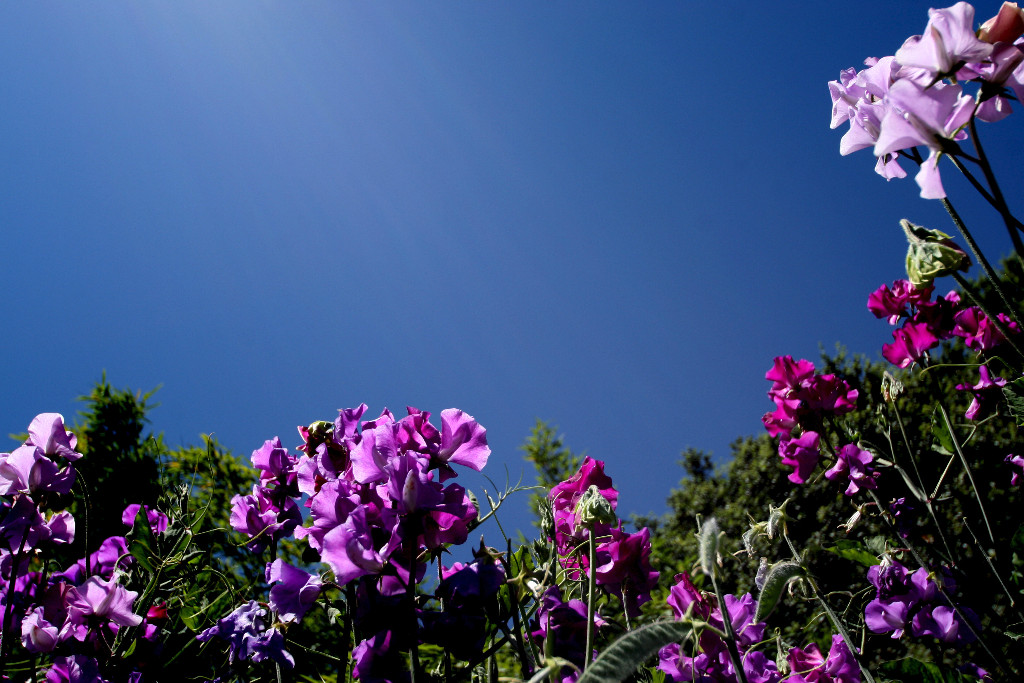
{"points": [[912, 602], [583, 505], [916, 97], [72, 614], [803, 401], [376, 503], [713, 662]]}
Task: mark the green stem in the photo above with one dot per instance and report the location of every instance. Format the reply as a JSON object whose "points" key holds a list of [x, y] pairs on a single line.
{"points": [[730, 641], [591, 597], [980, 257], [997, 193]]}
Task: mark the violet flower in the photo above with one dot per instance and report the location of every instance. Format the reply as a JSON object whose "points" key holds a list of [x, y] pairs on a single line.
{"points": [[158, 521], [809, 665], [623, 568], [294, 590], [74, 669], [1017, 477], [948, 42], [46, 432], [250, 635]]}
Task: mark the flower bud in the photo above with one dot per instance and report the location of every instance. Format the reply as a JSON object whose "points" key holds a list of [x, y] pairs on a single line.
{"points": [[1005, 27], [931, 254], [547, 520], [593, 508]]}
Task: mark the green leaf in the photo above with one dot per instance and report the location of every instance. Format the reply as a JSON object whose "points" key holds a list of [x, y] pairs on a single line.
{"points": [[941, 433], [629, 652], [915, 671], [779, 576], [709, 546], [1014, 393], [854, 551]]}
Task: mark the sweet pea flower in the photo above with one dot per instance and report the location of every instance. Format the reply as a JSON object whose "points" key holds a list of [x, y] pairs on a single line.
{"points": [[74, 669], [987, 393], [810, 666], [249, 635], [102, 599], [1017, 477], [929, 116], [623, 568], [853, 464], [948, 41], [47, 432], [910, 344], [294, 590], [978, 331], [802, 454], [158, 521]]}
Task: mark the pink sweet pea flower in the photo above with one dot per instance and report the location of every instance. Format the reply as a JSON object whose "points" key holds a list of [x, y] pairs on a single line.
{"points": [[853, 463], [912, 341], [103, 599]]}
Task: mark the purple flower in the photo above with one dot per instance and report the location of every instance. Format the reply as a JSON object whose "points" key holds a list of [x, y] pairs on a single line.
{"points": [[101, 599], [566, 624], [853, 463], [27, 470], [46, 432], [802, 454], [260, 517], [929, 116], [948, 42], [1016, 461], [980, 333], [294, 592], [74, 669], [157, 520], [249, 635], [912, 341], [892, 303], [987, 393], [804, 398], [565, 497], [463, 440], [112, 554], [37, 634], [274, 462], [623, 568], [810, 666]]}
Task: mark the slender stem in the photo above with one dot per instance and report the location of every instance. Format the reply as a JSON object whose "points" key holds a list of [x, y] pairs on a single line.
{"points": [[525, 665], [963, 459], [414, 647], [591, 598], [730, 632], [997, 193], [992, 567], [833, 617]]}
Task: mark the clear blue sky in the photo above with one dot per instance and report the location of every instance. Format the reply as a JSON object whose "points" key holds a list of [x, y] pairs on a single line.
{"points": [[610, 216]]}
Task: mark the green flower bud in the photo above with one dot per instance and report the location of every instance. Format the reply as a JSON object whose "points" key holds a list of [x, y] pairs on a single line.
{"points": [[547, 520], [593, 508], [931, 254]]}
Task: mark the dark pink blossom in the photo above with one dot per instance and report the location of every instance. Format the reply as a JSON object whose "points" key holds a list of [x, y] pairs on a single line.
{"points": [[853, 465], [1017, 477], [623, 568], [809, 665], [980, 333], [892, 303], [910, 344], [987, 394], [802, 454]]}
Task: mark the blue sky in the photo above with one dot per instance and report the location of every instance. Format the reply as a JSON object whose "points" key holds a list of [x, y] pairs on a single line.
{"points": [[610, 216]]}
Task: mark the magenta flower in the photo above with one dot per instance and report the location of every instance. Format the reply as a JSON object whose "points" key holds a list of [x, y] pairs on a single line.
{"points": [[158, 521], [623, 568], [948, 42], [463, 440], [980, 333], [852, 463], [802, 454], [1017, 477], [274, 462], [804, 398], [987, 393], [892, 303], [810, 666], [564, 498], [910, 344]]}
